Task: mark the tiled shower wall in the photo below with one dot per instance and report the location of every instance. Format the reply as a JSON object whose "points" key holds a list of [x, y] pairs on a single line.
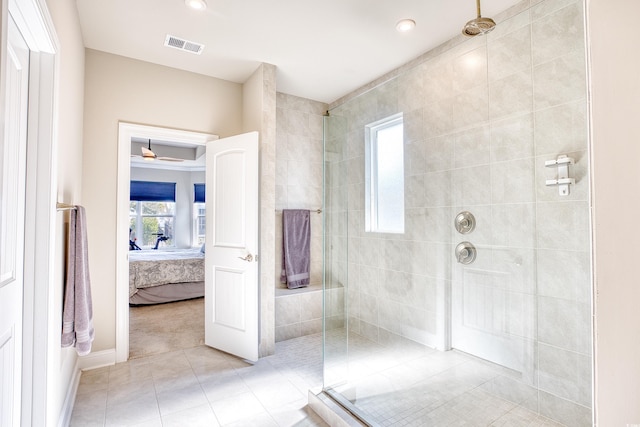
{"points": [[481, 117], [299, 124]]}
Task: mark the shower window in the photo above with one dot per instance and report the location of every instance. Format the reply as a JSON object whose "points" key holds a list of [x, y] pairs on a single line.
{"points": [[385, 176]]}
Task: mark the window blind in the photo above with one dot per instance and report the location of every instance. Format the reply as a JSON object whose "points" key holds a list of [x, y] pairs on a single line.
{"points": [[198, 190], [151, 191]]}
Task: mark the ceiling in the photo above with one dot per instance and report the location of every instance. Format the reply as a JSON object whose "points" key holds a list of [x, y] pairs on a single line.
{"points": [[322, 49], [192, 156]]}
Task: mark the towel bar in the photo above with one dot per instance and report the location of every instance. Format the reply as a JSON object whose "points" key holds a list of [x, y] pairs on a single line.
{"points": [[319, 211], [64, 207]]}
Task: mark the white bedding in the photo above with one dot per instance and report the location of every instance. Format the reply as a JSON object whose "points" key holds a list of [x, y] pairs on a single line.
{"points": [[167, 254], [155, 268]]}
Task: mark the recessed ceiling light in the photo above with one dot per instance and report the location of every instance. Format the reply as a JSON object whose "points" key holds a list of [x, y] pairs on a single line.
{"points": [[405, 25], [196, 4]]}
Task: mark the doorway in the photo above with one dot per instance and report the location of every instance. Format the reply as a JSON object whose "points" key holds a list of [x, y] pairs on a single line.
{"points": [[127, 133], [166, 234]]}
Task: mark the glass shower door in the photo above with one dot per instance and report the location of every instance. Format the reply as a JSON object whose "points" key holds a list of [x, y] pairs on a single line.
{"points": [[335, 246]]}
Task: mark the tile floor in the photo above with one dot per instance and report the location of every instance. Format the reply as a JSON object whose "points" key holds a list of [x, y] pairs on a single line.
{"points": [[201, 386], [408, 384], [404, 385]]}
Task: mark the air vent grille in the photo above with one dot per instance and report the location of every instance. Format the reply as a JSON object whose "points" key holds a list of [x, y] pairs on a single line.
{"points": [[185, 45]]}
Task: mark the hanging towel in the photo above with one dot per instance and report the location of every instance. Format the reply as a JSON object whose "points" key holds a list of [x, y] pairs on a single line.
{"points": [[296, 252], [77, 313]]}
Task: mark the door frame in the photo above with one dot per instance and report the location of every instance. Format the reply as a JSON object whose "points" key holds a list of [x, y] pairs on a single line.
{"points": [[126, 131], [34, 21]]}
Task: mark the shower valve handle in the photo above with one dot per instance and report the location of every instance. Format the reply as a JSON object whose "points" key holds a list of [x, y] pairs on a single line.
{"points": [[465, 253]]}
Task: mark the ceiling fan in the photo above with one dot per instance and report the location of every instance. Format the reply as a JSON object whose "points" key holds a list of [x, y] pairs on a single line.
{"points": [[150, 156]]}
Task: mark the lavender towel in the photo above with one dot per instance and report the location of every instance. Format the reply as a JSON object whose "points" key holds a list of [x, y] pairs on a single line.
{"points": [[77, 313], [296, 252]]}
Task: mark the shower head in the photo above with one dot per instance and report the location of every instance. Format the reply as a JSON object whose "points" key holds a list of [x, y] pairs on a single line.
{"points": [[479, 25]]}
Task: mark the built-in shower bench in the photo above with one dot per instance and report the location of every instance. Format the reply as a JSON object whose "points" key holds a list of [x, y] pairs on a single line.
{"points": [[298, 311]]}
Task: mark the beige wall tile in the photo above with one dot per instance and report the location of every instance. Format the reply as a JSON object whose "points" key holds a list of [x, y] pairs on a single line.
{"points": [[558, 33], [560, 80], [510, 53], [512, 138]]}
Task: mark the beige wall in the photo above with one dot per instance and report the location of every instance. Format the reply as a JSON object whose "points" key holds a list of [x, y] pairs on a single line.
{"points": [[61, 362], [123, 89], [615, 86], [252, 102], [259, 114]]}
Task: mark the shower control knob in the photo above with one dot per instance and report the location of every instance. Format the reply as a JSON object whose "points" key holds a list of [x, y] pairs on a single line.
{"points": [[465, 253], [465, 222]]}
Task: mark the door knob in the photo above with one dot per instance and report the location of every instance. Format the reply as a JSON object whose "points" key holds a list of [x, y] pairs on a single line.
{"points": [[247, 258]]}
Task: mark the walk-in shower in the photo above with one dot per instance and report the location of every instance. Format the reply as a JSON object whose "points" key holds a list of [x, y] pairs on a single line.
{"points": [[477, 309]]}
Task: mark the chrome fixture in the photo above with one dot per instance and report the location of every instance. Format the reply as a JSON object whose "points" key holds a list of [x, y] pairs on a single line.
{"points": [[247, 258], [466, 253], [479, 25], [562, 180], [465, 222]]}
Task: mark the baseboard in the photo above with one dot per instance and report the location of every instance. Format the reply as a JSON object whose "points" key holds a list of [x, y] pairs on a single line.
{"points": [[98, 359], [83, 363], [70, 398]]}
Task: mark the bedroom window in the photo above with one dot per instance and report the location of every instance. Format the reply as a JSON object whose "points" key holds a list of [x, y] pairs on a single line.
{"points": [[198, 223], [198, 214], [150, 221], [384, 176], [152, 212]]}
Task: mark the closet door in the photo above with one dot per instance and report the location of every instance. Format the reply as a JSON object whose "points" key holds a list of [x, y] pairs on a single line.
{"points": [[12, 200]]}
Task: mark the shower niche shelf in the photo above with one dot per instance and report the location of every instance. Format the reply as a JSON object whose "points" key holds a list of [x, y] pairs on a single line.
{"points": [[562, 181]]}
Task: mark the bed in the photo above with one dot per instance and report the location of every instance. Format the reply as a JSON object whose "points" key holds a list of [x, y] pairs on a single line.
{"points": [[165, 275]]}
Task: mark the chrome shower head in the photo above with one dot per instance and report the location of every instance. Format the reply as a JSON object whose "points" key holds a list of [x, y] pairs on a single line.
{"points": [[479, 25]]}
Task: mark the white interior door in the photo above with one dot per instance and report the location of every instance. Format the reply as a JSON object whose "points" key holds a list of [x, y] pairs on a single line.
{"points": [[231, 259], [12, 199]]}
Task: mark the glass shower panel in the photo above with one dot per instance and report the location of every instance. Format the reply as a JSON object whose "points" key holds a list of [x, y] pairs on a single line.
{"points": [[335, 346], [435, 326]]}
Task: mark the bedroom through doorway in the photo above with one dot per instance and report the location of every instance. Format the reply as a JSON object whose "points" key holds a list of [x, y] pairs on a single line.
{"points": [[166, 237], [163, 306], [161, 328]]}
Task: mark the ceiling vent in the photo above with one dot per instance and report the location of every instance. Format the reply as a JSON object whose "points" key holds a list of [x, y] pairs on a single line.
{"points": [[182, 44]]}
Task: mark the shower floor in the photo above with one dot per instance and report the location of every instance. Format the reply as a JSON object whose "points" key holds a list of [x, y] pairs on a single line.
{"points": [[412, 385]]}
